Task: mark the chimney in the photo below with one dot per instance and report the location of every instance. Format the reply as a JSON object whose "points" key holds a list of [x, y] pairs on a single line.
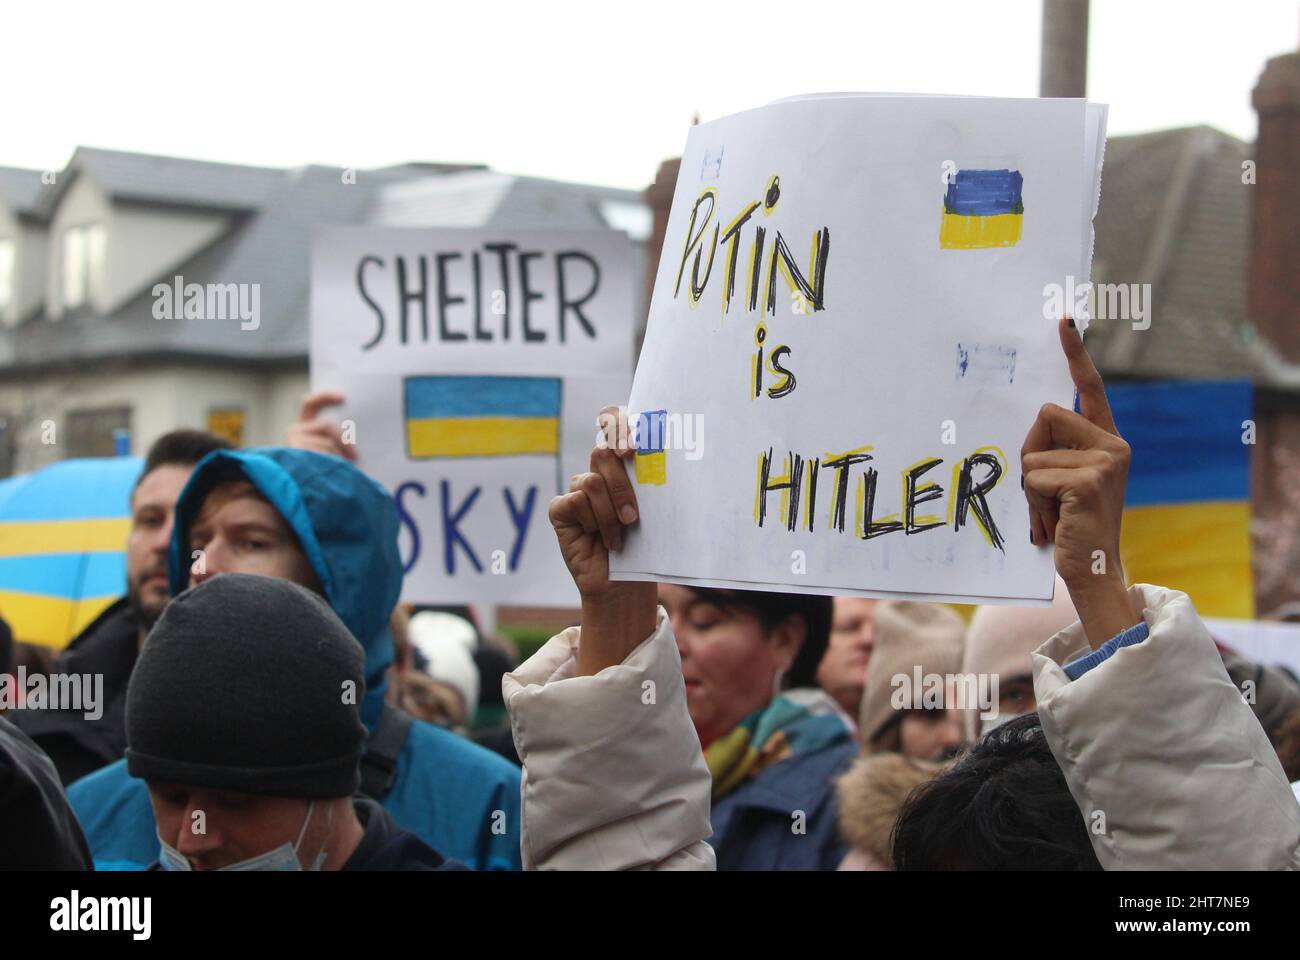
{"points": [[1274, 283], [1273, 300], [659, 195], [1063, 69]]}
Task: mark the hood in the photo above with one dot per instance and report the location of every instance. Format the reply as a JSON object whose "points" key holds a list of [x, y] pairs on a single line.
{"points": [[30, 795], [346, 524], [871, 795]]}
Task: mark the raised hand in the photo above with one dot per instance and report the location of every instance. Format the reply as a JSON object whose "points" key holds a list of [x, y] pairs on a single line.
{"points": [[323, 434], [589, 522], [1075, 467]]}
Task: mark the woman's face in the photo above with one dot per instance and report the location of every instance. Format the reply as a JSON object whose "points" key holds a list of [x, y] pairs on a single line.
{"points": [[728, 662], [928, 734]]}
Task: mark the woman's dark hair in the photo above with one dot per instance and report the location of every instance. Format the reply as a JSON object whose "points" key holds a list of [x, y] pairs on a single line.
{"points": [[771, 610], [1004, 806]]}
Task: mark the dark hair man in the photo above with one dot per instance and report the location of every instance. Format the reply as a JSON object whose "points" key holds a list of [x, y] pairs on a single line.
{"points": [[108, 646]]}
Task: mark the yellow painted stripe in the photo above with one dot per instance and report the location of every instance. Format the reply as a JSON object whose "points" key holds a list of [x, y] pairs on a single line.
{"points": [[652, 468], [1202, 549], [975, 233], [482, 436], [24, 538], [49, 621]]}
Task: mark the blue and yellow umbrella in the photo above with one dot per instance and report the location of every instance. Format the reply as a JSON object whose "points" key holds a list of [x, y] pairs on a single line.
{"points": [[63, 533]]}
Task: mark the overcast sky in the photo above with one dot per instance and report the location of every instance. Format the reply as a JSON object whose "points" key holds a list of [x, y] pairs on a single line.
{"points": [[597, 92]]}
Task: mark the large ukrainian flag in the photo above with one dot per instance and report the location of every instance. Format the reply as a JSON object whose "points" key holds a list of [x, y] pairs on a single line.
{"points": [[482, 416], [982, 208], [1187, 510], [63, 533]]}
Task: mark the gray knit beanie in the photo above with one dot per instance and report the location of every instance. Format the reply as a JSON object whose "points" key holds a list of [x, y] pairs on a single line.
{"points": [[249, 684]]}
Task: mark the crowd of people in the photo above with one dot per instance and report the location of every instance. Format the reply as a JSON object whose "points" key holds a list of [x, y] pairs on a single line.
{"points": [[268, 704]]}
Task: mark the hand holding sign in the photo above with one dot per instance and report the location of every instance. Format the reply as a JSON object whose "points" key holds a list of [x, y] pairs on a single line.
{"points": [[311, 431], [589, 523], [1075, 466]]}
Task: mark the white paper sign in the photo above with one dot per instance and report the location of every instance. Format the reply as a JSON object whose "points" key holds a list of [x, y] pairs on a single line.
{"points": [[474, 364], [847, 344]]}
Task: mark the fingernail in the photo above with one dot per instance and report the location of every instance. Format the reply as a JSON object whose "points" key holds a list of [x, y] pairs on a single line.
{"points": [[628, 513], [1022, 481], [1070, 321]]}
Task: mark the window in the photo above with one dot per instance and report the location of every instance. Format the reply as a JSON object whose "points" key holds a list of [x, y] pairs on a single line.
{"points": [[7, 255], [83, 264], [98, 433], [227, 423], [74, 267]]}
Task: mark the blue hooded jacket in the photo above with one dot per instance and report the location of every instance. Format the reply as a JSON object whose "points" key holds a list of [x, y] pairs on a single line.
{"points": [[458, 797]]}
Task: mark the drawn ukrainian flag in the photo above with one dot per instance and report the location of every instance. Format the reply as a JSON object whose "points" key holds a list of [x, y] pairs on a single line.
{"points": [[981, 209], [1187, 509], [482, 416], [651, 457]]}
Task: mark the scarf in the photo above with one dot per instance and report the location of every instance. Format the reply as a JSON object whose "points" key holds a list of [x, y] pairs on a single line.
{"points": [[795, 722]]}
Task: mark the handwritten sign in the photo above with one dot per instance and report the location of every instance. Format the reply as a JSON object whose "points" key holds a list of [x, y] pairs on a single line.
{"points": [[474, 363], [852, 326]]}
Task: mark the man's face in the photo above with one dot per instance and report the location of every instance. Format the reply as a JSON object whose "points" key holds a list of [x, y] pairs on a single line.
{"points": [[843, 670], [153, 506], [238, 531], [1015, 698], [215, 828], [931, 734]]}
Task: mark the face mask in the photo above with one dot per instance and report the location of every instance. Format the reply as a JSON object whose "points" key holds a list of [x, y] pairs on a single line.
{"points": [[282, 858]]}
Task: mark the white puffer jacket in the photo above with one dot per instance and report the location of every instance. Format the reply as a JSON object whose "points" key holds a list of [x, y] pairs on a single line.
{"points": [[1168, 764], [614, 778]]}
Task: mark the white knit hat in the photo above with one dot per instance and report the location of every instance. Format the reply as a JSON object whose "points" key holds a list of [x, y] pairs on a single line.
{"points": [[1002, 639], [447, 642]]}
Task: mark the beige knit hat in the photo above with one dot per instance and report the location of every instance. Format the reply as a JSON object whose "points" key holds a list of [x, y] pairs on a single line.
{"points": [[908, 634]]}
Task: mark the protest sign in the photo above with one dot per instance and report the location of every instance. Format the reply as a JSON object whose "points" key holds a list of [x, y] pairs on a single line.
{"points": [[474, 363], [853, 322]]}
